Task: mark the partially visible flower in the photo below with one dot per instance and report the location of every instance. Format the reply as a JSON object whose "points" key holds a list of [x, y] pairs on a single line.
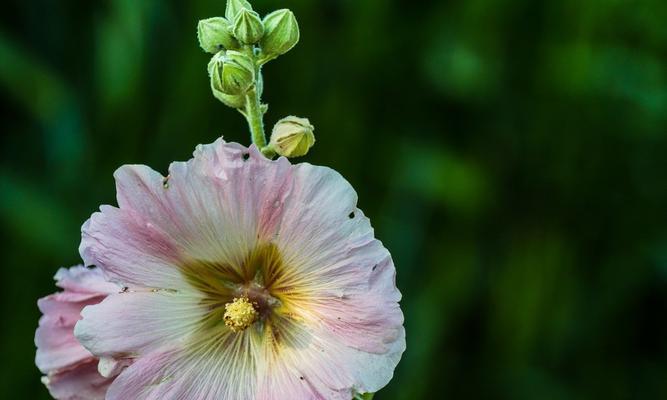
{"points": [[71, 372], [247, 279]]}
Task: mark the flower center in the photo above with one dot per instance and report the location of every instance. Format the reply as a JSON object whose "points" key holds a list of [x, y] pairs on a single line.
{"points": [[254, 290], [239, 314]]}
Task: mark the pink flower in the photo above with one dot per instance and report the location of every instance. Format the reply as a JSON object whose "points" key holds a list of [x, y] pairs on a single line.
{"points": [[246, 279], [71, 371]]}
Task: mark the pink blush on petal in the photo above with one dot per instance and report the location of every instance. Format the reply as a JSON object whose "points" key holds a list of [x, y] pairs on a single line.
{"points": [[71, 371]]}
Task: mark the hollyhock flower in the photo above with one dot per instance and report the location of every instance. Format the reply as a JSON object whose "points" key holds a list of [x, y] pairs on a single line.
{"points": [[71, 371], [245, 279]]}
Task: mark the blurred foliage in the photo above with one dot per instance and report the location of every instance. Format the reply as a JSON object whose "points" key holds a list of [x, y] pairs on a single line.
{"points": [[511, 154]]}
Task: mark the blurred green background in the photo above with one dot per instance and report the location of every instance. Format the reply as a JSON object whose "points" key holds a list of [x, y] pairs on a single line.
{"points": [[512, 155]]}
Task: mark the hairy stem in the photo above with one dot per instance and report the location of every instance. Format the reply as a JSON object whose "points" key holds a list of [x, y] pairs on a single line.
{"points": [[255, 117]]}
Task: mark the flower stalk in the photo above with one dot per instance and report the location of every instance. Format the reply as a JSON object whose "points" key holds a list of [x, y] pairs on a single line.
{"points": [[255, 118]]}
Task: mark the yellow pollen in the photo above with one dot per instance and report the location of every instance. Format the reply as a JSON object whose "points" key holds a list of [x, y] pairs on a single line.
{"points": [[239, 314]]}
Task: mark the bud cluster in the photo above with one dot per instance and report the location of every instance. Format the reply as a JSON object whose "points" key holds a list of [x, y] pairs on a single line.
{"points": [[241, 42], [242, 29]]}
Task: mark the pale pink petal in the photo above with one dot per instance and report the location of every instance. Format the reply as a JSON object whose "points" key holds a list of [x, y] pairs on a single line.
{"points": [[190, 216], [226, 372], [84, 280], [145, 379], [367, 319], [130, 249], [305, 367], [374, 371], [347, 273], [56, 345], [348, 278], [316, 365], [80, 382], [71, 370], [130, 324], [253, 181], [326, 240]]}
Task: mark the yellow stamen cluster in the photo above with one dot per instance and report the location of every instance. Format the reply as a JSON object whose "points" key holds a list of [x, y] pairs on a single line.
{"points": [[239, 314]]}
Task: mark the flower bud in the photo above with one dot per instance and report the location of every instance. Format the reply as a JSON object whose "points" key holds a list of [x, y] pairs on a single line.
{"points": [[292, 137], [238, 72], [215, 34], [281, 33], [234, 7], [232, 73], [214, 71], [248, 28]]}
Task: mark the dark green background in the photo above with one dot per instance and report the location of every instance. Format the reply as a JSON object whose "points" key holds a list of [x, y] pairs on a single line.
{"points": [[512, 155]]}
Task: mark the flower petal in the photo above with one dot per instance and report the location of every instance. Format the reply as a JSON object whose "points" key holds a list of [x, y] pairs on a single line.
{"points": [[198, 214], [130, 324], [80, 382], [57, 347], [335, 261], [129, 249], [71, 371], [314, 364], [80, 279], [225, 372]]}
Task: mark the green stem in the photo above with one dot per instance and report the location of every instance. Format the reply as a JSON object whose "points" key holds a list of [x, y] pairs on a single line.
{"points": [[255, 117]]}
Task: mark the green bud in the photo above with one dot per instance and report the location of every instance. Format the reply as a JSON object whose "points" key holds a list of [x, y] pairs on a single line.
{"points": [[234, 7], [215, 35], [281, 33], [232, 74], [248, 27], [238, 72], [214, 71], [292, 137]]}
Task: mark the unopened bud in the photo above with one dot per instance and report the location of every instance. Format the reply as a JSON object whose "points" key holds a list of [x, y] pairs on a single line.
{"points": [[281, 33], [220, 80], [232, 72], [234, 7], [292, 137], [215, 35], [248, 28]]}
